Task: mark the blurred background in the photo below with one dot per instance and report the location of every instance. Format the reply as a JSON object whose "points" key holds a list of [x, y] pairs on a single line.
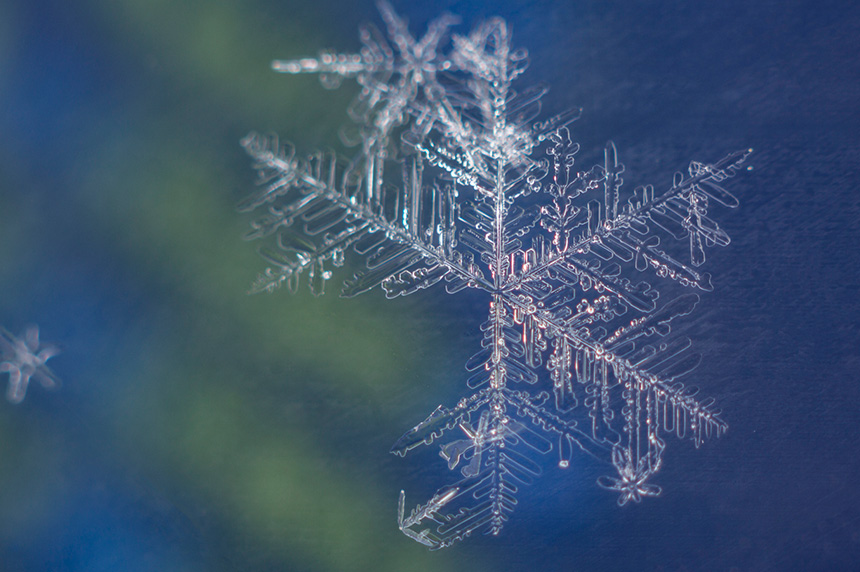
{"points": [[201, 429]]}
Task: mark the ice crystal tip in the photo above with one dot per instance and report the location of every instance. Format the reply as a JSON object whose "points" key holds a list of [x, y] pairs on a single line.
{"points": [[24, 359], [578, 354]]}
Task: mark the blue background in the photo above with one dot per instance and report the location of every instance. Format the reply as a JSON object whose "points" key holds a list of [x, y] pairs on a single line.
{"points": [[201, 429]]}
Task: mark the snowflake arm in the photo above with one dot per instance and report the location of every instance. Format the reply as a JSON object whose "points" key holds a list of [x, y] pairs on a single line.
{"points": [[608, 234], [322, 199]]}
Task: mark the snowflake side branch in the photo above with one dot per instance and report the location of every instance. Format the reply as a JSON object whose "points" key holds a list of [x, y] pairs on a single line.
{"points": [[313, 258], [532, 408]]}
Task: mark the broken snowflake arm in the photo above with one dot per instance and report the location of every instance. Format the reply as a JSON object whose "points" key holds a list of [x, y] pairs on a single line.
{"points": [[499, 463], [420, 513]]}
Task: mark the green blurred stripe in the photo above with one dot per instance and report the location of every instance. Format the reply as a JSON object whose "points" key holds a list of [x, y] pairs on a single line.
{"points": [[171, 223], [222, 50], [273, 486]]}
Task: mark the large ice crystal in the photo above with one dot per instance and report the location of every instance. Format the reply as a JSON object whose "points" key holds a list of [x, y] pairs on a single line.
{"points": [[458, 181]]}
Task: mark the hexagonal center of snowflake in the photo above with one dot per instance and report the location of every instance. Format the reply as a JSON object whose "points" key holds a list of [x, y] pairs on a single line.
{"points": [[510, 143], [26, 358], [418, 66]]}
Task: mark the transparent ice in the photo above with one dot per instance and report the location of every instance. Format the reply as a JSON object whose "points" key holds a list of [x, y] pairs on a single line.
{"points": [[25, 359], [458, 182]]}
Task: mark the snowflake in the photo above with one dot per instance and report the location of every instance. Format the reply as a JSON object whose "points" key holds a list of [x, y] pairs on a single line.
{"points": [[631, 485], [24, 359], [576, 352]]}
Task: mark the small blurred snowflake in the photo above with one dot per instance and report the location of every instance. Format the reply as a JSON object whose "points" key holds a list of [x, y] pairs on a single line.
{"points": [[24, 359]]}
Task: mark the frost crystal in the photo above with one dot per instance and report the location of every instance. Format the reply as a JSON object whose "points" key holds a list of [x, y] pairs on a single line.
{"points": [[24, 359], [576, 353]]}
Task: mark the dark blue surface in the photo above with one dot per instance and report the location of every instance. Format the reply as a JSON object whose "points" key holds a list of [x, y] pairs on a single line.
{"points": [[86, 103]]}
